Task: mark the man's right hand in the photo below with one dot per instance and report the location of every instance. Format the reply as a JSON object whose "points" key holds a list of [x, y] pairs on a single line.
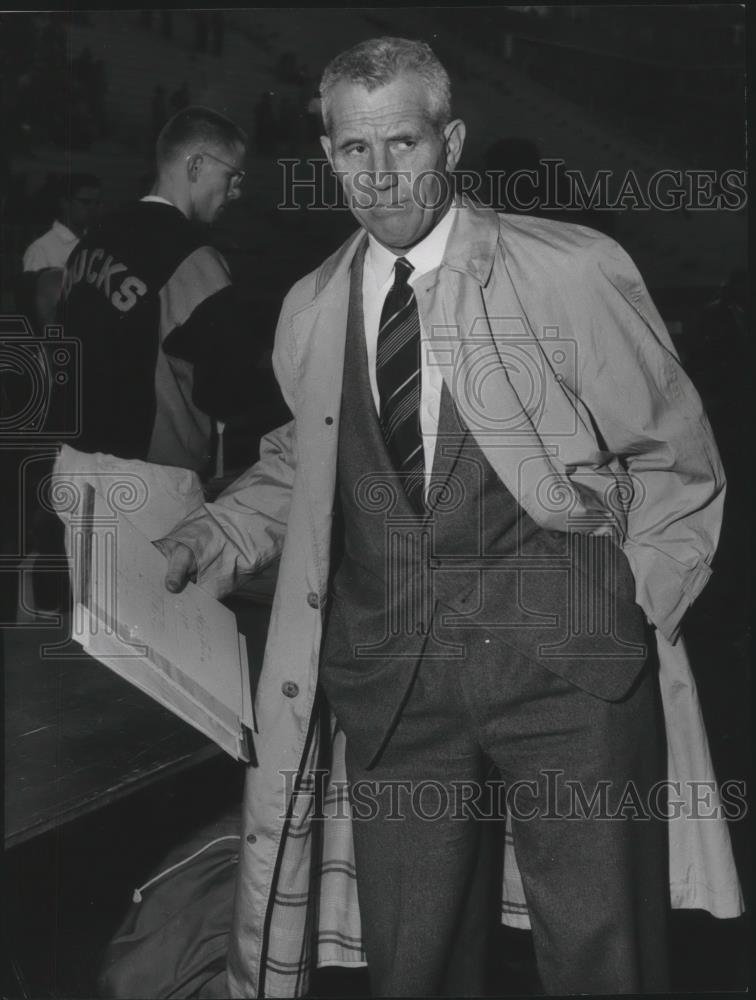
{"points": [[182, 566]]}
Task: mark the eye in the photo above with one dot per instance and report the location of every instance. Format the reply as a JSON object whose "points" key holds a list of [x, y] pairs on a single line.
{"points": [[358, 149], [406, 144]]}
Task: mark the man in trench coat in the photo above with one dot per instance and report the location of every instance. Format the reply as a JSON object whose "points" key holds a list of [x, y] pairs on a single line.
{"points": [[569, 507]]}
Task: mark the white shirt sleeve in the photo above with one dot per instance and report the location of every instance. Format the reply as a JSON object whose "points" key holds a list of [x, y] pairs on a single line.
{"points": [[35, 257]]}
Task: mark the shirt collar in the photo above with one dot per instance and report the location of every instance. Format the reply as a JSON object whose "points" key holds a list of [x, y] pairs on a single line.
{"points": [[424, 256], [158, 198], [478, 236], [64, 232]]}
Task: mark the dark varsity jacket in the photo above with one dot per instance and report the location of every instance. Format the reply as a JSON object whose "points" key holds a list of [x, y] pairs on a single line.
{"points": [[163, 345]]}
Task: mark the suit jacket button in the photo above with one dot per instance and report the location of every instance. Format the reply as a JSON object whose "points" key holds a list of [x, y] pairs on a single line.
{"points": [[313, 599], [251, 838], [290, 689]]}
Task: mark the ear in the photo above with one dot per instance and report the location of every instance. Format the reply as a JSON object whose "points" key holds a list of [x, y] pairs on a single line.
{"points": [[325, 142], [454, 137], [193, 167]]}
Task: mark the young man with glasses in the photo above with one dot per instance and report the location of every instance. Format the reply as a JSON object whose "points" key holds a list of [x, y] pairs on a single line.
{"points": [[164, 347]]}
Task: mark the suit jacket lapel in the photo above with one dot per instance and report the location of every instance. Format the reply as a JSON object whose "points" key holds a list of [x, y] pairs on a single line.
{"points": [[450, 443]]}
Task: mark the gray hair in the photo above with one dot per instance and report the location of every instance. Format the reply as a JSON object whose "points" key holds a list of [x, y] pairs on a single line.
{"points": [[378, 61]]}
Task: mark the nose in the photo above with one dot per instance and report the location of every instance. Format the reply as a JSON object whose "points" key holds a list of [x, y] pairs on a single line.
{"points": [[382, 170]]}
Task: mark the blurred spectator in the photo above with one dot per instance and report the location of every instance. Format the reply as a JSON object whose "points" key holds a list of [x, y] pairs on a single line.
{"points": [[46, 96], [78, 203]]}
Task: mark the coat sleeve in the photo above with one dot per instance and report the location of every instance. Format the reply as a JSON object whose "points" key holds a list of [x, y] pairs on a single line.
{"points": [[202, 322], [243, 530], [651, 417]]}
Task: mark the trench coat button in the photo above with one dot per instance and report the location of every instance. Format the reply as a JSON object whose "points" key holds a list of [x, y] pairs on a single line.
{"points": [[329, 420], [251, 838], [313, 600], [290, 689]]}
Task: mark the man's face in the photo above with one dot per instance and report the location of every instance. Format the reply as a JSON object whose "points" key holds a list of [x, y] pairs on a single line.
{"points": [[82, 209], [216, 173], [391, 158]]}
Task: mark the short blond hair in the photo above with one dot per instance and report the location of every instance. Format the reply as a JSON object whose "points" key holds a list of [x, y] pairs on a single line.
{"points": [[197, 125]]}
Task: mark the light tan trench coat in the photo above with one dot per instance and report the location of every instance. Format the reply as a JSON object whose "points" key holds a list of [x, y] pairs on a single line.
{"points": [[564, 372]]}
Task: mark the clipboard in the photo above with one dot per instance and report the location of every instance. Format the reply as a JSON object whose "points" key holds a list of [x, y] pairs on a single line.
{"points": [[183, 650]]}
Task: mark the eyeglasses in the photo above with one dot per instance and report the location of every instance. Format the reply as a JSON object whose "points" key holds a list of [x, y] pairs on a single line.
{"points": [[237, 175]]}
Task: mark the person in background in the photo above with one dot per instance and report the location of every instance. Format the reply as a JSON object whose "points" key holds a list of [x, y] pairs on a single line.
{"points": [[78, 203], [164, 346], [166, 354]]}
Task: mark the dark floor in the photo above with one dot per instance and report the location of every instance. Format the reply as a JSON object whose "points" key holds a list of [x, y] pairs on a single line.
{"points": [[66, 892]]}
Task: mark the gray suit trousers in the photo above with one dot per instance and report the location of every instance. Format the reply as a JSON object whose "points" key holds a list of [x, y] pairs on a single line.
{"points": [[578, 773]]}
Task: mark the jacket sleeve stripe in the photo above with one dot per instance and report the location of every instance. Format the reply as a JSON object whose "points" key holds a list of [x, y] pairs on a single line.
{"points": [[200, 275]]}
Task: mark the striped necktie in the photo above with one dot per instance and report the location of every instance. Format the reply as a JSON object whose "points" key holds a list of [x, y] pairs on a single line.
{"points": [[397, 370]]}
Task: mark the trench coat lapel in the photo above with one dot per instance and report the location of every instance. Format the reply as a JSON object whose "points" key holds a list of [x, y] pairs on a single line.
{"points": [[470, 347], [319, 337]]}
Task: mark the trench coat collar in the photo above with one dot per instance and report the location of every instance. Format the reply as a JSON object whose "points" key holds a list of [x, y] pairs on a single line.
{"points": [[471, 248]]}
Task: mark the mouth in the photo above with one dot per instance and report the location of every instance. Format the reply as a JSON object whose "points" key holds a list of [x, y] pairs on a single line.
{"points": [[393, 206]]}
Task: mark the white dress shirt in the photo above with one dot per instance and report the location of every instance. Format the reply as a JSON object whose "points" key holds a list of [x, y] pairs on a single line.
{"points": [[52, 249], [377, 279]]}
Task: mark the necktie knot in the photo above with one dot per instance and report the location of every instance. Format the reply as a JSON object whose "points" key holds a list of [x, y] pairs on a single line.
{"points": [[402, 270]]}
